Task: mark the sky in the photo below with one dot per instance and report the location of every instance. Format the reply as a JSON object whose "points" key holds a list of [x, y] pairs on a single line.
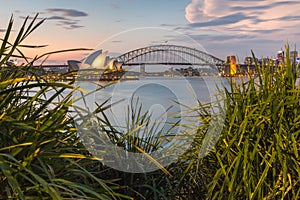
{"points": [[219, 27]]}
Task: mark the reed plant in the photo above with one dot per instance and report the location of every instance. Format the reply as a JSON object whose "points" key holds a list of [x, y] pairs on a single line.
{"points": [[41, 155], [257, 155], [141, 136]]}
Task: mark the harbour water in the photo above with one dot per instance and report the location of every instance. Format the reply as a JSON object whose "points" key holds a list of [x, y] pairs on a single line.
{"points": [[160, 97]]}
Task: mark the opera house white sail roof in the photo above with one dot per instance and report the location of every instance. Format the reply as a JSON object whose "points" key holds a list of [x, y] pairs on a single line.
{"points": [[96, 60]]}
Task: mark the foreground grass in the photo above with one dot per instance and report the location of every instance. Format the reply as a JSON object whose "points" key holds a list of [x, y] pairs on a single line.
{"points": [[257, 155], [41, 156]]}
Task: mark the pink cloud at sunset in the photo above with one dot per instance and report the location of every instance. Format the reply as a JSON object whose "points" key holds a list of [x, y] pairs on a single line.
{"points": [[245, 22], [244, 15]]}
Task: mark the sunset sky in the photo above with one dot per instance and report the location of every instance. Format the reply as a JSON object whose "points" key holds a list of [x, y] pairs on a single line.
{"points": [[220, 27]]}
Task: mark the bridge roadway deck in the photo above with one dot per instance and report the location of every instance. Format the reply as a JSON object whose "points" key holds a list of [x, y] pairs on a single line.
{"points": [[167, 63]]}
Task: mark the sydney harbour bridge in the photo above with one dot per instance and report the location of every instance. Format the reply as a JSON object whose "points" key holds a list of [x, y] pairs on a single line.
{"points": [[155, 55], [168, 55]]}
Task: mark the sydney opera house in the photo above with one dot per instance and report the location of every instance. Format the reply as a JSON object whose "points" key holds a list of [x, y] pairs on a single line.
{"points": [[97, 66], [96, 60]]}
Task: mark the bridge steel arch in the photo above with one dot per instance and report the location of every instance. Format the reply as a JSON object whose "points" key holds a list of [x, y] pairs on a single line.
{"points": [[181, 56]]}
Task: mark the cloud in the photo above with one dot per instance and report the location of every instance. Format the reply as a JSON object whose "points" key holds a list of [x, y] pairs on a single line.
{"points": [[271, 31], [229, 19], [68, 22], [30, 18], [290, 18], [194, 11], [67, 12], [67, 18], [233, 26], [206, 10], [75, 26], [69, 25], [264, 7], [256, 18], [57, 18], [216, 38], [63, 22]]}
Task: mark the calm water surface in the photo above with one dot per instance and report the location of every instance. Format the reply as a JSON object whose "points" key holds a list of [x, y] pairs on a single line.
{"points": [[163, 99]]}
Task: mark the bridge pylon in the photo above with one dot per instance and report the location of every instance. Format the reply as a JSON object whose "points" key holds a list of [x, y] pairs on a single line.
{"points": [[142, 69]]}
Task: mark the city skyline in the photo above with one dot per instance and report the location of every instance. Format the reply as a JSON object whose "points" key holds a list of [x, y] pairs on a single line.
{"points": [[224, 27]]}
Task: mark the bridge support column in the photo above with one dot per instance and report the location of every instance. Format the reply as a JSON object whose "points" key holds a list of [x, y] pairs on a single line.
{"points": [[142, 69]]}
